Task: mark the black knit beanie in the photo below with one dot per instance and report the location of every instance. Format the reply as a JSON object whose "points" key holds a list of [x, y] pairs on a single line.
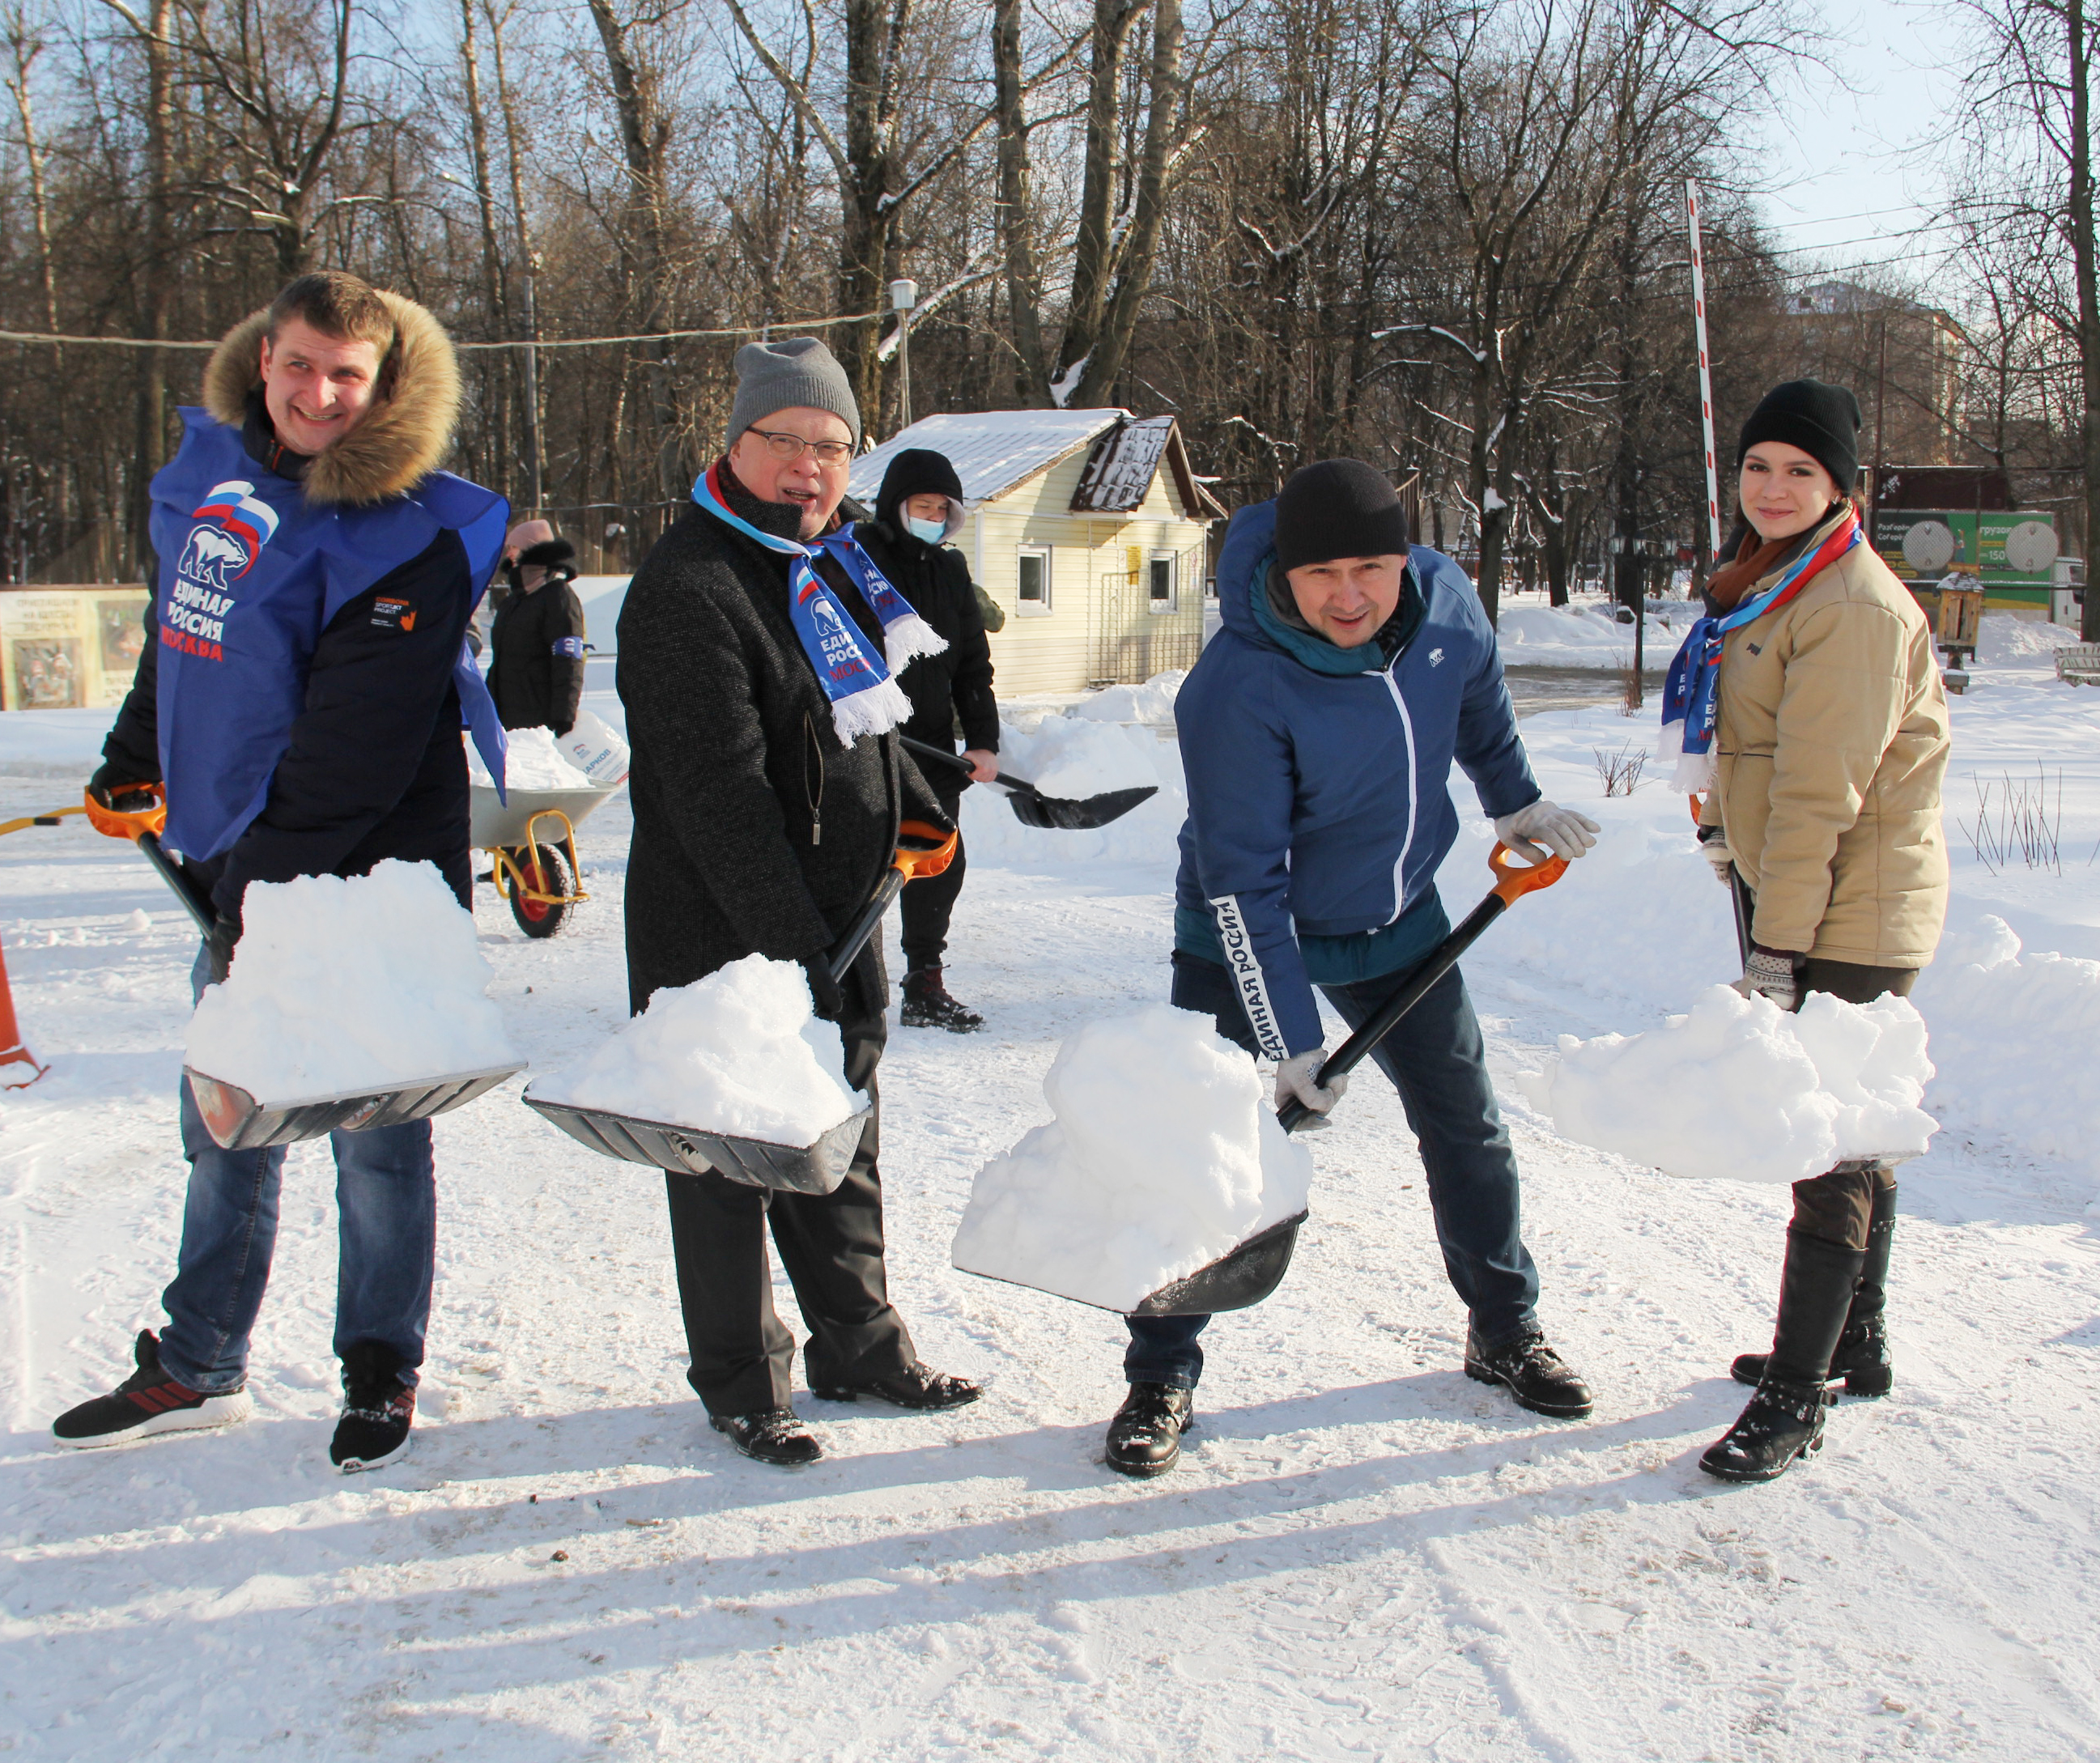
{"points": [[1338, 508], [916, 471], [1822, 420]]}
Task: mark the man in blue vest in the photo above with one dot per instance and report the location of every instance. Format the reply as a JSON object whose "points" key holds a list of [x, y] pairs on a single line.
{"points": [[301, 698], [1318, 732]]}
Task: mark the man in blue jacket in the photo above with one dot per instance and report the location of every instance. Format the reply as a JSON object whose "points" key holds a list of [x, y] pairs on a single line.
{"points": [[301, 698], [1318, 732]]}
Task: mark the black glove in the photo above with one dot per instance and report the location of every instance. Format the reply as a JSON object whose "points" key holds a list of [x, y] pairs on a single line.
{"points": [[218, 946], [116, 790], [826, 999]]}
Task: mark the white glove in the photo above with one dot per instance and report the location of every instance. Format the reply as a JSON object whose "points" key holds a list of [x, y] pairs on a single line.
{"points": [[1772, 972], [1713, 846], [1567, 833], [1294, 1079]]}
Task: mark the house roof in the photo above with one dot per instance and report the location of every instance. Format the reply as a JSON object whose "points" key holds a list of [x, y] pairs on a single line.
{"points": [[996, 451]]}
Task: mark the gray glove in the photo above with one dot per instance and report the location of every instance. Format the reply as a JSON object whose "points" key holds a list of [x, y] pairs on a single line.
{"points": [[1567, 833], [1713, 846], [1773, 972], [1294, 1078]]}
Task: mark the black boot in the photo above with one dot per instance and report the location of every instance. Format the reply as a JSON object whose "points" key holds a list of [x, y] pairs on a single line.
{"points": [[774, 1435], [378, 1410], [1145, 1438], [927, 1004], [1538, 1377], [1784, 1418], [1862, 1358]]}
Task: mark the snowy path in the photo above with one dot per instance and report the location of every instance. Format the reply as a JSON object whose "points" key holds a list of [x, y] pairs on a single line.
{"points": [[1363, 1555]]}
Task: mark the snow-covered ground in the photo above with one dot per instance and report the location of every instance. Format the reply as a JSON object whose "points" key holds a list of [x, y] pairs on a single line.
{"points": [[1364, 1554], [1587, 633]]}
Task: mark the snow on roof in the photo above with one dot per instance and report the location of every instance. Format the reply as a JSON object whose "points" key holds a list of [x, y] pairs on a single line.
{"points": [[992, 450], [1119, 474]]}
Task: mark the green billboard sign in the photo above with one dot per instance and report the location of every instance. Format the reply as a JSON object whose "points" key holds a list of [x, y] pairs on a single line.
{"points": [[2015, 548]]}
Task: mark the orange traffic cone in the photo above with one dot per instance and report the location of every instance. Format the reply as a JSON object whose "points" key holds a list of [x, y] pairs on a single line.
{"points": [[12, 1052]]}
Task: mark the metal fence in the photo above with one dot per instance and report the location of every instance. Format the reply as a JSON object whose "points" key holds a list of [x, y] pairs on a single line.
{"points": [[1129, 639]]}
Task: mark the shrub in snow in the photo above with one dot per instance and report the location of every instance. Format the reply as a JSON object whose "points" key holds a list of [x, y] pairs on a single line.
{"points": [[1164, 1155], [530, 761], [1739, 1087], [738, 1052], [2012, 1037], [339, 985]]}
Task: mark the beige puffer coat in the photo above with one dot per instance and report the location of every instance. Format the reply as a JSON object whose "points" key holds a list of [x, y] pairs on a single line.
{"points": [[1830, 749]]}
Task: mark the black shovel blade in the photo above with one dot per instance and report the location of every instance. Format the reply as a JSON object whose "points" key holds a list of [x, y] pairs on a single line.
{"points": [[1031, 808]]}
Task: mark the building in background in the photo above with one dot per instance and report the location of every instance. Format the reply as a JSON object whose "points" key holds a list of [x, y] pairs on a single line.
{"points": [[1903, 361]]}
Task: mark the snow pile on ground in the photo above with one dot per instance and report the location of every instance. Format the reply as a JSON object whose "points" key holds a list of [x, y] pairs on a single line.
{"points": [[2012, 1039], [530, 761], [1739, 1087], [738, 1052], [341, 984], [1163, 1156], [1151, 703], [53, 743], [2005, 640], [1073, 756], [1586, 636]]}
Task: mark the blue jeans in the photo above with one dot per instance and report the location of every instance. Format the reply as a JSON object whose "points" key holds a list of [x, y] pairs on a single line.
{"points": [[387, 1198], [1437, 1062]]}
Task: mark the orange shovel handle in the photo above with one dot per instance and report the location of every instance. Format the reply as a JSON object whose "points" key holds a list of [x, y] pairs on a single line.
{"points": [[923, 851], [122, 825], [1515, 879]]}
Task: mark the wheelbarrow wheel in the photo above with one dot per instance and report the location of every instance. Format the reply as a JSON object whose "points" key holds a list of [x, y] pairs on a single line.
{"points": [[540, 868]]}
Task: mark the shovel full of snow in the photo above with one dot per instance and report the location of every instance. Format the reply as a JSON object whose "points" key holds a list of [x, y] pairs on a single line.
{"points": [[1032, 807], [816, 1166]]}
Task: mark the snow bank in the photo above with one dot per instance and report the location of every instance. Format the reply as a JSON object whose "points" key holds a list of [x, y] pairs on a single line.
{"points": [[738, 1052], [2005, 640], [1151, 703], [2013, 1038], [340, 986], [52, 743], [1074, 758], [1586, 636], [1163, 1156], [532, 762], [1739, 1087], [1075, 755]]}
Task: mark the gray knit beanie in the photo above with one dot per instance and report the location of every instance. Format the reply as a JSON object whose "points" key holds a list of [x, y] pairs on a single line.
{"points": [[796, 372]]}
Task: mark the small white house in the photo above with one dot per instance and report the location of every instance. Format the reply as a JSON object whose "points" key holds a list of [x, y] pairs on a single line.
{"points": [[1087, 527]]}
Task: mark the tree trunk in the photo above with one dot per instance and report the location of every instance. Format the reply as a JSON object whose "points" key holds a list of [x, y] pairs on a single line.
{"points": [[1094, 249], [492, 256], [2088, 274], [150, 392], [873, 30], [527, 358], [1024, 289]]}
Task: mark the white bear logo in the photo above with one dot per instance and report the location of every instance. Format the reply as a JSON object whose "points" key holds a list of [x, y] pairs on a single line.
{"points": [[213, 557]]}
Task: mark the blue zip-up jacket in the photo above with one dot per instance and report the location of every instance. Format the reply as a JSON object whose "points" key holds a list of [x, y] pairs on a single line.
{"points": [[1319, 778]]}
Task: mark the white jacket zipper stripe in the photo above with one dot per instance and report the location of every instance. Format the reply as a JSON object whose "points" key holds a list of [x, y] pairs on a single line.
{"points": [[1407, 843]]}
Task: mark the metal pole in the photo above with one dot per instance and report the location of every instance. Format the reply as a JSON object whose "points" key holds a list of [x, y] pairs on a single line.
{"points": [[903, 296], [1705, 374]]}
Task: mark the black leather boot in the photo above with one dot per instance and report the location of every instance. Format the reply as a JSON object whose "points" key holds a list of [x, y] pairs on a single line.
{"points": [[1862, 1357], [1145, 1438], [927, 1005], [1784, 1418]]}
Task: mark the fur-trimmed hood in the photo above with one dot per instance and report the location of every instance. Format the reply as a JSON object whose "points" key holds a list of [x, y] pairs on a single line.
{"points": [[404, 438]]}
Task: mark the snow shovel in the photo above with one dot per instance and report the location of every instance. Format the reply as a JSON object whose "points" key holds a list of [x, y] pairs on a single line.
{"points": [[1740, 897], [812, 1169], [1245, 1276], [236, 1120], [1032, 807]]}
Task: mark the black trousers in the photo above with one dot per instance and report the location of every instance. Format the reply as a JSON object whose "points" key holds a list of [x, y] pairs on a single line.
{"points": [[830, 1245], [1837, 1205], [925, 907]]}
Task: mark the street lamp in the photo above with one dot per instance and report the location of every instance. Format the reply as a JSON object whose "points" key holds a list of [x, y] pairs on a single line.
{"points": [[903, 296]]}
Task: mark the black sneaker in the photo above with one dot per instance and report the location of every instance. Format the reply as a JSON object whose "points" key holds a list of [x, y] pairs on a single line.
{"points": [[1783, 1421], [149, 1401], [1533, 1373], [774, 1436], [1145, 1438], [927, 1005], [917, 1386], [379, 1411]]}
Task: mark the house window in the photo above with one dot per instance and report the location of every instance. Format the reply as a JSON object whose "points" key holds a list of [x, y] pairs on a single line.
{"points": [[1032, 591], [1162, 593]]}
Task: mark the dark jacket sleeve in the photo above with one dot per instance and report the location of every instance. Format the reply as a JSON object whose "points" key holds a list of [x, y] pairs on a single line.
{"points": [[969, 661], [133, 745], [380, 674], [564, 630]]}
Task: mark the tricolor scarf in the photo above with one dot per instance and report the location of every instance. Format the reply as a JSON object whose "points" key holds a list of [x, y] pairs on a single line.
{"points": [[865, 698], [1691, 695]]}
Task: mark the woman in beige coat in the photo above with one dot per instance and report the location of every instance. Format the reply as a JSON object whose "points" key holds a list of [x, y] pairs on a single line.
{"points": [[1813, 708]]}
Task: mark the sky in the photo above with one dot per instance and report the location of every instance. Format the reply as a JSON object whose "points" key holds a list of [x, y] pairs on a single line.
{"points": [[1847, 172]]}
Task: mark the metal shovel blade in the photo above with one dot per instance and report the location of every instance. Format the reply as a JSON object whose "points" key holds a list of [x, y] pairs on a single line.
{"points": [[1238, 1279], [1034, 809], [815, 1169], [237, 1121]]}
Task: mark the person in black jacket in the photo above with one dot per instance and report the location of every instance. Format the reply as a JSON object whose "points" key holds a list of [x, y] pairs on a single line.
{"points": [[327, 414], [919, 505], [536, 669], [759, 829]]}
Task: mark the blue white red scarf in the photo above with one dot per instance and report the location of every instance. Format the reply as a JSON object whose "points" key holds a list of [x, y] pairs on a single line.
{"points": [[1690, 696], [865, 698]]}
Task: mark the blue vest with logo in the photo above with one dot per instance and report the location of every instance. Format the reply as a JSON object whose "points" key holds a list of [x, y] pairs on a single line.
{"points": [[251, 576]]}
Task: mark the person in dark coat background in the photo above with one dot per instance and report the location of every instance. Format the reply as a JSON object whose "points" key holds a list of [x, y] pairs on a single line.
{"points": [[535, 668], [760, 829], [919, 504]]}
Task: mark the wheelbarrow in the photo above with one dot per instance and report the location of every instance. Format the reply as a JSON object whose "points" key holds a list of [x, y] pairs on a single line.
{"points": [[530, 840], [238, 1121], [1245, 1275], [812, 1168]]}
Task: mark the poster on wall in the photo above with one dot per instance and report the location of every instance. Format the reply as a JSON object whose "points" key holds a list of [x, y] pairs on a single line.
{"points": [[69, 648]]}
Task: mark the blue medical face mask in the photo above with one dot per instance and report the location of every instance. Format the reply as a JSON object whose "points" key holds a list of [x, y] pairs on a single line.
{"points": [[932, 531]]}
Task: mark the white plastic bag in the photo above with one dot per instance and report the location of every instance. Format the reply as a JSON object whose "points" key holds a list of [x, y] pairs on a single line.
{"points": [[595, 751]]}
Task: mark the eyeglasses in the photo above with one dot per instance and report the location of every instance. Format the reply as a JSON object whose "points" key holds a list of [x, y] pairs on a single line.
{"points": [[783, 446]]}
